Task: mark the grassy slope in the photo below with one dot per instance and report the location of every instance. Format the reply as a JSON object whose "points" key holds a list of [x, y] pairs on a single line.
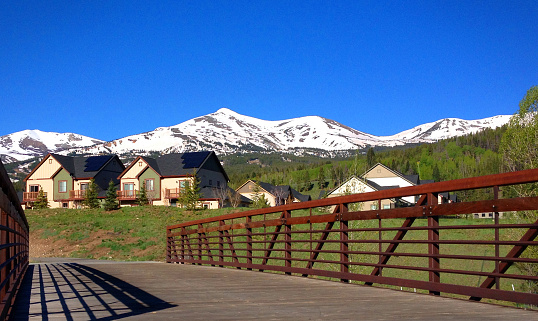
{"points": [[131, 233]]}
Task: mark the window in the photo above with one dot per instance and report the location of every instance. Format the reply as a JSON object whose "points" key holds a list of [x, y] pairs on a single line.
{"points": [[128, 188], [83, 186], [140, 164], [373, 207], [386, 207], [34, 188], [50, 160], [149, 184], [65, 205], [62, 186], [210, 182]]}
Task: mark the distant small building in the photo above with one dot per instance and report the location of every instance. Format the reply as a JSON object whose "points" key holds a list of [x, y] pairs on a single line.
{"points": [[65, 179], [275, 195]]}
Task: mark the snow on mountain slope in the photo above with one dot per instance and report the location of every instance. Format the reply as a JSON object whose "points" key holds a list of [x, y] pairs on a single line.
{"points": [[31, 143], [226, 131], [446, 128]]}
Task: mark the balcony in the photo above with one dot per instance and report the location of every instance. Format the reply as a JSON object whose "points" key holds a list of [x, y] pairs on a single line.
{"points": [[77, 195], [31, 196], [171, 193], [127, 195]]}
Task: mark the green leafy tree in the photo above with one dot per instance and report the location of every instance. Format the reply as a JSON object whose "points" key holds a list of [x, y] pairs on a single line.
{"points": [[519, 149], [42, 202], [90, 199], [142, 197], [111, 200]]}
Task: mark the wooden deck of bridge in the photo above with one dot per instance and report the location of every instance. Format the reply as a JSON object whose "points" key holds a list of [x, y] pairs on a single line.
{"points": [[71, 289]]}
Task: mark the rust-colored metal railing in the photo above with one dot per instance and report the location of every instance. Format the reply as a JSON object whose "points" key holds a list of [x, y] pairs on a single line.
{"points": [[13, 243], [427, 246]]}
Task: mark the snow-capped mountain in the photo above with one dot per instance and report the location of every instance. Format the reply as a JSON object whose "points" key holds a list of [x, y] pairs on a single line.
{"points": [[446, 128], [226, 131], [31, 143]]}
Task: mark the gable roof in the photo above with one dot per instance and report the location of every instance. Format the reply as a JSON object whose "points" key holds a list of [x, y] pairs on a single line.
{"points": [[179, 164], [375, 187], [80, 166], [413, 179], [283, 190]]}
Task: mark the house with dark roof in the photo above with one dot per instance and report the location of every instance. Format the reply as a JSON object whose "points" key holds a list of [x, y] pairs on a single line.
{"points": [[65, 179], [166, 177], [275, 195]]}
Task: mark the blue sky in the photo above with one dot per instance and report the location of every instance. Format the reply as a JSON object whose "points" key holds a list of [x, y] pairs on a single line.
{"points": [[108, 69]]}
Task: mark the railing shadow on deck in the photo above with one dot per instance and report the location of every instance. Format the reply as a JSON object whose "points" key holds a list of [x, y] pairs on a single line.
{"points": [[76, 292]]}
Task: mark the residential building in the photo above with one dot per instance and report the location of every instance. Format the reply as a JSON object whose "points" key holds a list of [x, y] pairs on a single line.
{"points": [[65, 179], [275, 195], [355, 185], [381, 177], [166, 176]]}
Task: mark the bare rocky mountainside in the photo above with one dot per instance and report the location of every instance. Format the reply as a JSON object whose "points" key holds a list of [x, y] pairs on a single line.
{"points": [[226, 131]]}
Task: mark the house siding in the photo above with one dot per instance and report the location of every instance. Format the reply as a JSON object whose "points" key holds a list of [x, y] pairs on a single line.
{"points": [[62, 175], [151, 174]]}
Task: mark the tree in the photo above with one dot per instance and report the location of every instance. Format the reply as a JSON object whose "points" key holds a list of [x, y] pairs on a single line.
{"points": [[436, 173], [42, 202], [234, 197], [90, 199], [142, 197], [111, 200], [321, 178], [370, 157], [260, 202], [191, 193], [221, 193], [519, 149], [258, 198]]}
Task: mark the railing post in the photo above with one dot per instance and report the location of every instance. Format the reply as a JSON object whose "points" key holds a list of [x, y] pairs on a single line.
{"points": [[249, 242], [221, 244], [287, 240], [168, 247], [433, 248], [183, 235], [497, 251], [200, 246], [344, 245]]}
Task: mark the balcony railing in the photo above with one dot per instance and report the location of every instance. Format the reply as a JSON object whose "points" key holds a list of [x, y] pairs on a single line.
{"points": [[77, 195], [31, 196], [171, 193], [127, 195]]}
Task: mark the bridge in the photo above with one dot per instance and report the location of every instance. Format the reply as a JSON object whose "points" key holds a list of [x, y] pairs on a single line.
{"points": [[322, 259]]}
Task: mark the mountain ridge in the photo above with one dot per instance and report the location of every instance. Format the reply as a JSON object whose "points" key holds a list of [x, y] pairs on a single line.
{"points": [[227, 131]]}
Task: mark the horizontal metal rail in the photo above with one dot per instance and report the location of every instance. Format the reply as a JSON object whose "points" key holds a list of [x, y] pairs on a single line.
{"points": [[427, 246], [14, 239]]}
